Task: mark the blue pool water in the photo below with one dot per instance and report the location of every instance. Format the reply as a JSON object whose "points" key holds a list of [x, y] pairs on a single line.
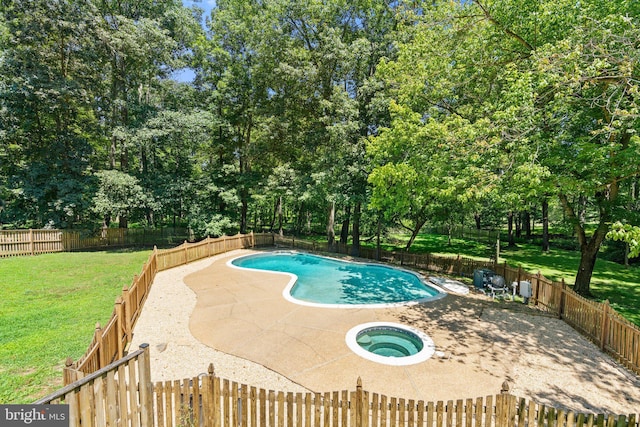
{"points": [[328, 281]]}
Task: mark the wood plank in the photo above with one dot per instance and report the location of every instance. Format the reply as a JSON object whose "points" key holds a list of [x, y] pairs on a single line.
{"points": [[224, 406], [290, 409], [244, 405], [272, 408], [86, 405], [98, 401], [420, 410], [531, 414], [459, 412], [159, 394], [253, 406], [299, 410], [430, 414], [478, 412], [522, 412], [488, 413], [217, 404], [541, 415], [317, 412], [468, 413], [280, 409], [235, 410], [111, 390], [308, 410], [72, 399], [393, 412], [327, 409], [384, 414], [440, 413], [263, 407]]}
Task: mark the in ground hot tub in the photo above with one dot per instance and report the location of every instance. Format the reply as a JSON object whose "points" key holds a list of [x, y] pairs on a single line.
{"points": [[390, 343]]}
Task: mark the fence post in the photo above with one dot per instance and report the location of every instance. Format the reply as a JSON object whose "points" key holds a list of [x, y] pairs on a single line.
{"points": [[562, 299], [119, 309], [186, 253], [69, 374], [126, 296], [146, 387], [359, 406], [97, 337], [31, 241], [605, 324], [537, 288]]}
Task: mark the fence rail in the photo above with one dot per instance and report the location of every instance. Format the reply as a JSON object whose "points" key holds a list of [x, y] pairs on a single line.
{"points": [[122, 394], [596, 321], [35, 242]]}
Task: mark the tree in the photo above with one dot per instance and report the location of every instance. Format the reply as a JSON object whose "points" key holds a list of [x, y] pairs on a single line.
{"points": [[46, 116], [119, 195], [556, 92]]}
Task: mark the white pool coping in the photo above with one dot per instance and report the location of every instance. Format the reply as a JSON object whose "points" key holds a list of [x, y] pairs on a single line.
{"points": [[427, 351], [286, 292]]}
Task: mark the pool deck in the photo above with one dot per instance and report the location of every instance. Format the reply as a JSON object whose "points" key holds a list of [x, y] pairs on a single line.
{"points": [[479, 343], [243, 313]]}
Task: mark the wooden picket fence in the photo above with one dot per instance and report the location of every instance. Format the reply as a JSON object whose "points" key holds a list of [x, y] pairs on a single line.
{"points": [[110, 342], [122, 394], [597, 321], [35, 242]]}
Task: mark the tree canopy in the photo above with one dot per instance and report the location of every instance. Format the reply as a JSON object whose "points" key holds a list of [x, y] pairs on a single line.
{"points": [[323, 115]]}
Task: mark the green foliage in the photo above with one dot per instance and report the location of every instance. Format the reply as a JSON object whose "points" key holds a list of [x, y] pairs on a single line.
{"points": [[49, 312], [627, 233]]}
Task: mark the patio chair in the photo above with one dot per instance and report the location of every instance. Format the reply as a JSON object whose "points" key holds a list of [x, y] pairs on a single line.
{"points": [[498, 287]]}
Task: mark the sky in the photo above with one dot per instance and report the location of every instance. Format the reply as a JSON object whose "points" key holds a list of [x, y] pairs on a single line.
{"points": [[186, 74]]}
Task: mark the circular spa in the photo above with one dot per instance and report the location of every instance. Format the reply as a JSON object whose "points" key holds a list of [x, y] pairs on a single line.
{"points": [[390, 343]]}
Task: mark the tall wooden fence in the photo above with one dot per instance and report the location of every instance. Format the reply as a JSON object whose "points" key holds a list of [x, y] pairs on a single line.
{"points": [[596, 321], [122, 394], [35, 242], [110, 342]]}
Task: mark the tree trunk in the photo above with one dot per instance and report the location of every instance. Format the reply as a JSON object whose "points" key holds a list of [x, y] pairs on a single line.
{"points": [[331, 234], [414, 233], [526, 222], [589, 247], [274, 215], [588, 255], [545, 225], [519, 224], [122, 221], [378, 231], [355, 247], [344, 232], [280, 229], [511, 237], [476, 217]]}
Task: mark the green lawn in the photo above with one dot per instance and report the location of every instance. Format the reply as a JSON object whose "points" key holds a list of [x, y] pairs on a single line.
{"points": [[51, 303], [48, 312], [612, 281]]}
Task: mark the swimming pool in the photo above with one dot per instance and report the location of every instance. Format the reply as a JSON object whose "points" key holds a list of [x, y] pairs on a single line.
{"points": [[322, 281]]}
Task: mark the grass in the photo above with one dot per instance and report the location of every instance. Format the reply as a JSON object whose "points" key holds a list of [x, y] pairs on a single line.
{"points": [[611, 281], [50, 306], [51, 303]]}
